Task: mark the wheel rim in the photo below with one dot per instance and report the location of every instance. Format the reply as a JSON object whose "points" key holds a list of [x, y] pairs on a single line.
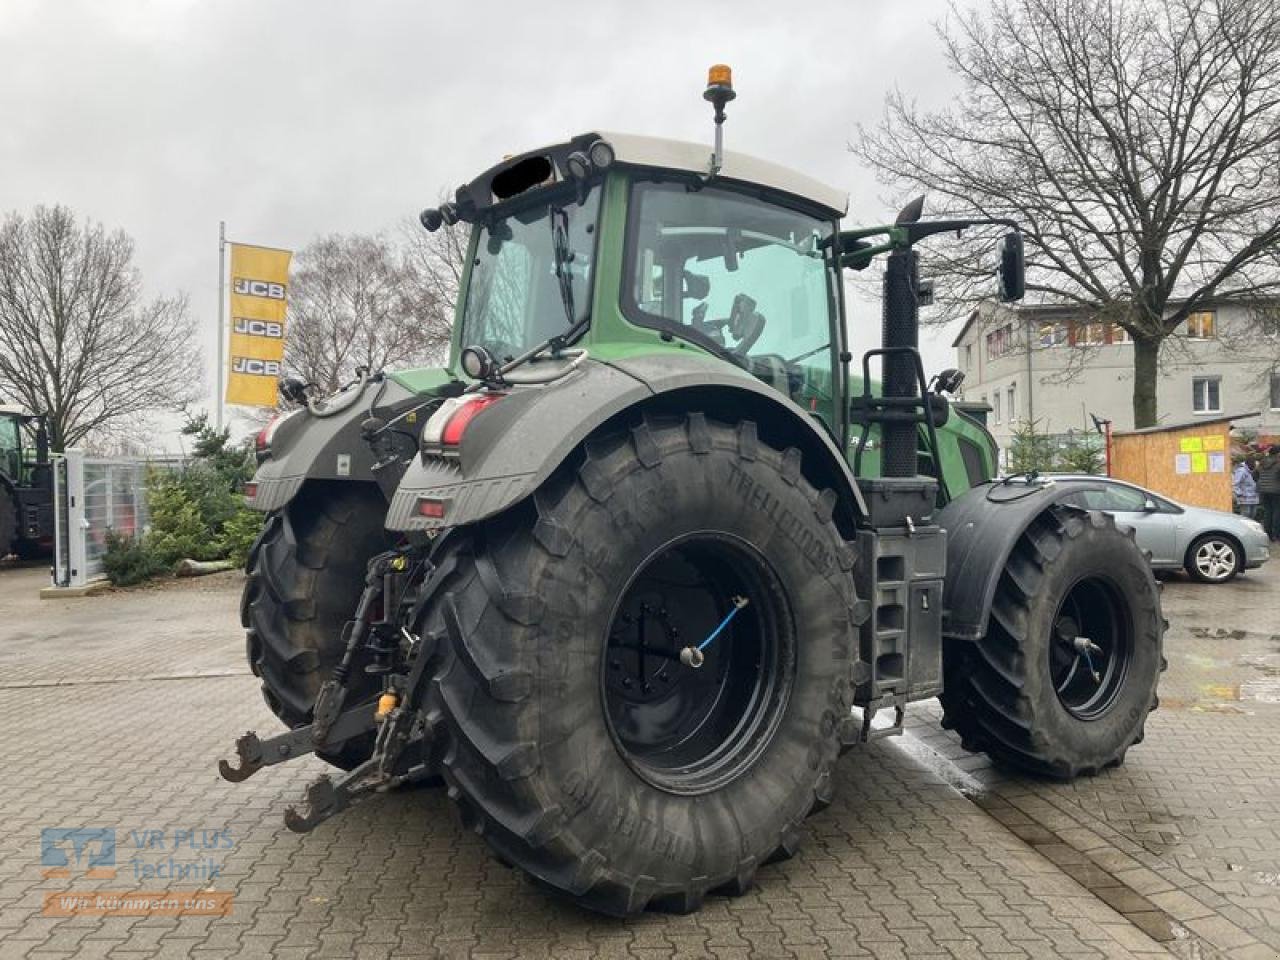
{"points": [[1215, 559], [1091, 648], [690, 730]]}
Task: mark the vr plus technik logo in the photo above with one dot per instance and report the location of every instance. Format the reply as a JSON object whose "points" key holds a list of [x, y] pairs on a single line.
{"points": [[89, 851]]}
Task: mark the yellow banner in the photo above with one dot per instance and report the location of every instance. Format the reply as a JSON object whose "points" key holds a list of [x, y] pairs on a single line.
{"points": [[259, 286]]}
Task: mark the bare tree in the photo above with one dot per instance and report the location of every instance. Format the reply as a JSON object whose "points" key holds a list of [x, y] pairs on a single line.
{"points": [[438, 259], [358, 301], [1137, 141], [77, 339]]}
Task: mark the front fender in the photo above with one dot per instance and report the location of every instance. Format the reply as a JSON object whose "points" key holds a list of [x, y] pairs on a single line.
{"points": [[514, 445], [983, 525]]}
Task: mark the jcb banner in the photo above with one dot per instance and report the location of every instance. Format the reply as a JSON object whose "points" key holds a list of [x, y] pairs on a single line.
{"points": [[259, 283]]}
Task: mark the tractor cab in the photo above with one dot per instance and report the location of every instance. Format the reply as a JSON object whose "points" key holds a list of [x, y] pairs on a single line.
{"points": [[24, 444], [26, 481], [620, 244], [610, 246]]}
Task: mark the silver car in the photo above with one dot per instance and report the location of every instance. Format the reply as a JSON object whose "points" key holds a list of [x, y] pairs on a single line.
{"points": [[1212, 546]]}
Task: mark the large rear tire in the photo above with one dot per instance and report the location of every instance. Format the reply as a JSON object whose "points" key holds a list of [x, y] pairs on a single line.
{"points": [[1062, 683], [575, 740], [305, 575]]}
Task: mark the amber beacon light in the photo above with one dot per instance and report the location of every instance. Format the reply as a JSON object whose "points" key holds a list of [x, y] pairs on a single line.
{"points": [[720, 76], [719, 92]]}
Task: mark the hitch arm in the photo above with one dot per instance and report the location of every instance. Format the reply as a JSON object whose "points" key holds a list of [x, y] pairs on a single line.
{"points": [[325, 798], [253, 753]]}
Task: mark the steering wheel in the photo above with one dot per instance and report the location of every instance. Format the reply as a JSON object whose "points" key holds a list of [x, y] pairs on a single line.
{"points": [[745, 323]]}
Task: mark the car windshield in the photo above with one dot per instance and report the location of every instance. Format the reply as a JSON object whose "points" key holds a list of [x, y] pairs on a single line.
{"points": [[532, 272]]}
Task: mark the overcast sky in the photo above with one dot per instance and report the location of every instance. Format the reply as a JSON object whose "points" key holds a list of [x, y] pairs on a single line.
{"points": [[292, 119]]}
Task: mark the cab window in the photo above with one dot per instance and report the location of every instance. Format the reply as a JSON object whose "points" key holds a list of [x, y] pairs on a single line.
{"points": [[746, 279], [10, 456]]}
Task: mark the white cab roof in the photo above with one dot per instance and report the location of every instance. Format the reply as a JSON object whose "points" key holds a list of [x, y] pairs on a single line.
{"points": [[696, 158]]}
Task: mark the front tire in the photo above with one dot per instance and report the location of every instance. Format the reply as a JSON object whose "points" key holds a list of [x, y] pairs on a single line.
{"points": [[1062, 683], [627, 796]]}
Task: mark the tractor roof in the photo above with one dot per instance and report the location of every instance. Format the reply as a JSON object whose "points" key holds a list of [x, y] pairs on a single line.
{"points": [[532, 169], [695, 157]]}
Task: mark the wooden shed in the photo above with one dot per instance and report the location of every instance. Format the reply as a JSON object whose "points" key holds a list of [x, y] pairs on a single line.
{"points": [[1189, 462]]}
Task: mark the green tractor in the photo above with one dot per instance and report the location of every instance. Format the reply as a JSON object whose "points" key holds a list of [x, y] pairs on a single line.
{"points": [[26, 484], [635, 567]]}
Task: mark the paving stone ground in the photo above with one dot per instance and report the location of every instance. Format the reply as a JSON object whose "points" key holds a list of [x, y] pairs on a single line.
{"points": [[115, 709]]}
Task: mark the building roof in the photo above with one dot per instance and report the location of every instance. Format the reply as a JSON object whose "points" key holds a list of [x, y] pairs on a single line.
{"points": [[973, 315], [1033, 311], [8, 408], [1188, 424]]}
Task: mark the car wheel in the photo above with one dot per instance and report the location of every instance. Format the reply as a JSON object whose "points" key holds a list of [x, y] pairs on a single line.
{"points": [[1213, 559]]}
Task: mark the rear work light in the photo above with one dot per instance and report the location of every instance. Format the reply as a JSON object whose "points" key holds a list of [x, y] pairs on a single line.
{"points": [[443, 432]]}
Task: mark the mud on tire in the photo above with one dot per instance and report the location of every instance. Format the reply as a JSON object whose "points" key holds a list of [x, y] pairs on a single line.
{"points": [[1025, 693], [533, 755], [305, 575]]}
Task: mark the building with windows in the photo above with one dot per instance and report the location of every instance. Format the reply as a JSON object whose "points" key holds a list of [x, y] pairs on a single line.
{"points": [[1060, 367]]}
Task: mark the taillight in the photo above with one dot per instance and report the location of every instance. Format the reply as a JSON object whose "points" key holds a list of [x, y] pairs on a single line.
{"points": [[262, 441], [431, 508], [443, 432]]}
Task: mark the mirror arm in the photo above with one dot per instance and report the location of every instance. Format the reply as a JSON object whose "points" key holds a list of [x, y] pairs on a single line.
{"points": [[918, 231], [855, 254]]}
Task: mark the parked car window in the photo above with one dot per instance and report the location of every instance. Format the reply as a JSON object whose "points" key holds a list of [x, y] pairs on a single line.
{"points": [[1124, 498], [1113, 499]]}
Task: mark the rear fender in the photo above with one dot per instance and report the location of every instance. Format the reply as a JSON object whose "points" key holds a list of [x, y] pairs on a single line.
{"points": [[512, 447], [983, 525], [306, 447]]}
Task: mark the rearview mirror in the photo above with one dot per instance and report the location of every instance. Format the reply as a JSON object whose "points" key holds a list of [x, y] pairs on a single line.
{"points": [[696, 285], [293, 390], [1150, 506], [1013, 267], [949, 380]]}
